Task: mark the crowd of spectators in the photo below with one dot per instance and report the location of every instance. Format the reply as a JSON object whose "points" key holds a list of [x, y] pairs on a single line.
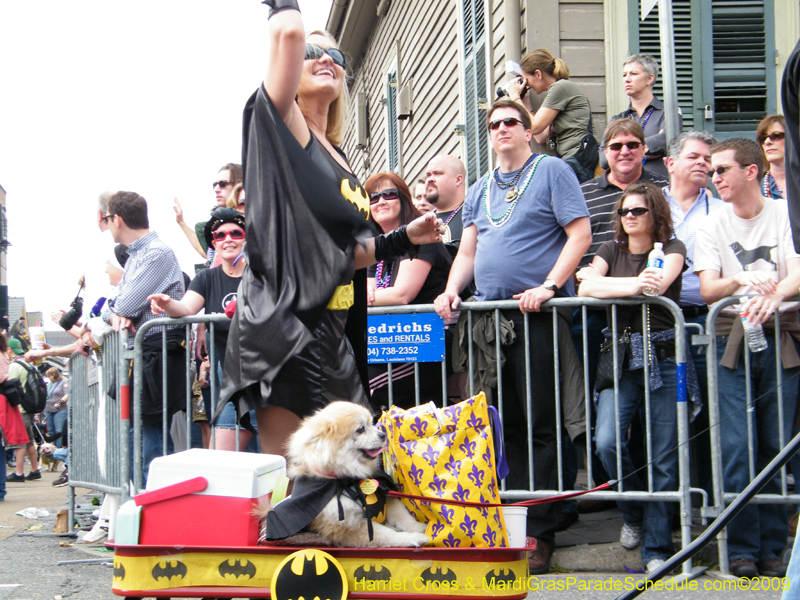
{"points": [[535, 228]]}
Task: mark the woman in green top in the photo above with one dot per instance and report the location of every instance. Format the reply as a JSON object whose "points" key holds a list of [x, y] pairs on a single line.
{"points": [[564, 119]]}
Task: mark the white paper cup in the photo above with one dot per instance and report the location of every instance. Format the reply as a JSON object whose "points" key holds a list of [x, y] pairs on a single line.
{"points": [[37, 337], [516, 518]]}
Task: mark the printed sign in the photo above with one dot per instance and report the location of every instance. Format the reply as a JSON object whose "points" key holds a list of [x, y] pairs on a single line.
{"points": [[405, 338]]}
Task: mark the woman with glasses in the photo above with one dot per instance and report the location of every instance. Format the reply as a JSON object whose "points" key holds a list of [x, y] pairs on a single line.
{"points": [[403, 281], [214, 289], [770, 135], [565, 118], [619, 270], [298, 336]]}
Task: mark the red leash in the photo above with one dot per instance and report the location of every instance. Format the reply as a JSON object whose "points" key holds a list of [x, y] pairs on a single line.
{"points": [[532, 502]]}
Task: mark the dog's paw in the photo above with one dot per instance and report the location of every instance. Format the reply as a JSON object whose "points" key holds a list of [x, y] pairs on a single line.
{"points": [[415, 540], [415, 527]]}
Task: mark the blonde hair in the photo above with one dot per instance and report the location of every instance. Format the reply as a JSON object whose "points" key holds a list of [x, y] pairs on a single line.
{"points": [[233, 199], [542, 60], [339, 107]]}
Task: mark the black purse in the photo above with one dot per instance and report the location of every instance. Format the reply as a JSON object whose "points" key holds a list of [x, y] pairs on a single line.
{"points": [[606, 375], [585, 160], [12, 390]]}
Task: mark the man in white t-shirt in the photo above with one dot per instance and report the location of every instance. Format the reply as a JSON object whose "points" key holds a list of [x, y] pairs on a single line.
{"points": [[746, 248]]}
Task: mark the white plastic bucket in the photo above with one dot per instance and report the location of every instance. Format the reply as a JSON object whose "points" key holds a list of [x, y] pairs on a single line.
{"points": [[516, 518]]}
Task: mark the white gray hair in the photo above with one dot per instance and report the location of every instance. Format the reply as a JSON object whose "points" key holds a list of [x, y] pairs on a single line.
{"points": [[649, 64], [679, 141]]}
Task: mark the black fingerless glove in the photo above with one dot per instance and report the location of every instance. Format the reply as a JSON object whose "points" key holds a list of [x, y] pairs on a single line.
{"points": [[394, 245], [276, 6]]}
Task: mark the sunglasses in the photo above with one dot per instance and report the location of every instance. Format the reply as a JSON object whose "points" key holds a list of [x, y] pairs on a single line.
{"points": [[221, 183], [315, 52], [508, 122], [617, 146], [388, 194], [723, 169], [636, 212], [106, 218], [775, 136], [234, 234]]}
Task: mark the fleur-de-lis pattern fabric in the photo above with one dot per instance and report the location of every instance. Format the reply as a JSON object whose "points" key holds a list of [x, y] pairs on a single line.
{"points": [[447, 453]]}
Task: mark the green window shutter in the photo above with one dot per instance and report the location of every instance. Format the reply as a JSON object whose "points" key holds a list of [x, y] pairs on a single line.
{"points": [[649, 43], [475, 89], [392, 134], [740, 64]]}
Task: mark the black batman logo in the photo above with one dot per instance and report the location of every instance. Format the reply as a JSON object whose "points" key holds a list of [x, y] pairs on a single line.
{"points": [[373, 573], [497, 576], [328, 585], [119, 570], [237, 568], [169, 570], [444, 574]]}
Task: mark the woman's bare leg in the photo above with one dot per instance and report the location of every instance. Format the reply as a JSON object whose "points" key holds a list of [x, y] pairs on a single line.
{"points": [[275, 425]]}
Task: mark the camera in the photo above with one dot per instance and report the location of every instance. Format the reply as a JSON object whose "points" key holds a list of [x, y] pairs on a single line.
{"points": [[71, 317]]}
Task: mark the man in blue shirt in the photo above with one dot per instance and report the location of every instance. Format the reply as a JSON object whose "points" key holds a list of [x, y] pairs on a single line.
{"points": [[526, 227]]}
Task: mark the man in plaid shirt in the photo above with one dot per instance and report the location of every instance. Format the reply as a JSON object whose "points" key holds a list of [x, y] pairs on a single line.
{"points": [[152, 268]]}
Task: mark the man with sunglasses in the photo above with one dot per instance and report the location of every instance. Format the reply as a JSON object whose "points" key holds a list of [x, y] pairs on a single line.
{"points": [[746, 248], [532, 224], [152, 268]]}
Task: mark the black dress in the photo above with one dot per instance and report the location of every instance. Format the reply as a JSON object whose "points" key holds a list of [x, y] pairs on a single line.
{"points": [[305, 213]]}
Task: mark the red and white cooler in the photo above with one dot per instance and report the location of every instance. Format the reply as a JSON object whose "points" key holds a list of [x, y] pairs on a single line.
{"points": [[206, 497]]}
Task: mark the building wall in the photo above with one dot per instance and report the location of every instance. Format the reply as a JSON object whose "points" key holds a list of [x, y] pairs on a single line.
{"points": [[424, 38]]}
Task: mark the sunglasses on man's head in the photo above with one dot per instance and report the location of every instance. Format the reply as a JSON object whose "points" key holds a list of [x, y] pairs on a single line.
{"points": [[617, 146], [775, 136], [508, 122], [315, 52], [235, 234], [637, 211], [387, 194], [221, 183]]}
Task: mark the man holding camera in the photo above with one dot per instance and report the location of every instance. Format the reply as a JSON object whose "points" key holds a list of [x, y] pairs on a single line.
{"points": [[152, 268]]}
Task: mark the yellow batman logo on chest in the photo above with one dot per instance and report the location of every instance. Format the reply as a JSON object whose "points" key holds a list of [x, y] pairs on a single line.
{"points": [[357, 197]]}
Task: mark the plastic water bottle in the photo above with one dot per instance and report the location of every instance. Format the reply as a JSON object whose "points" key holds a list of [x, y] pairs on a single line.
{"points": [[754, 334], [655, 261]]}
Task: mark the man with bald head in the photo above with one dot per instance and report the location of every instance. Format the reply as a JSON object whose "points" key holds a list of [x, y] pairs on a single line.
{"points": [[445, 189]]}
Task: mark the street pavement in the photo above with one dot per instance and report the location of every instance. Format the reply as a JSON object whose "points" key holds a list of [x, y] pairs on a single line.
{"points": [[29, 569]]}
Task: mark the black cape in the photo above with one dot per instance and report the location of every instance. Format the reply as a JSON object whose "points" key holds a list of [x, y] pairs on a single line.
{"points": [[300, 230], [311, 494], [790, 96]]}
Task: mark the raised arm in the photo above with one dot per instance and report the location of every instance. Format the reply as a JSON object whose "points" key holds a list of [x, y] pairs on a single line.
{"points": [[285, 66], [190, 304]]}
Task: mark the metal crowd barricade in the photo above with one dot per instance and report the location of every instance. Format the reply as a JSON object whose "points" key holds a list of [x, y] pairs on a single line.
{"points": [[722, 498], [683, 494], [96, 426]]}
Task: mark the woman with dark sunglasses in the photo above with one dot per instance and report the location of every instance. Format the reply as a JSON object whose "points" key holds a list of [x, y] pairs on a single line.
{"points": [[619, 270], [298, 337], [214, 289], [770, 135], [403, 281]]}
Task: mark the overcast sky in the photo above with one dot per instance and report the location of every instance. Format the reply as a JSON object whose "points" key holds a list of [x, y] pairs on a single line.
{"points": [[144, 96]]}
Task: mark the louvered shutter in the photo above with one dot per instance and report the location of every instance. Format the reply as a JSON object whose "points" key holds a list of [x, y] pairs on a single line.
{"points": [[475, 89], [740, 64], [392, 134], [649, 43]]}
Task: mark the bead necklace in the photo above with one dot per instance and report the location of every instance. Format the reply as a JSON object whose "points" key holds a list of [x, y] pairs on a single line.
{"points": [[504, 185], [452, 214], [382, 280], [766, 184], [502, 220]]}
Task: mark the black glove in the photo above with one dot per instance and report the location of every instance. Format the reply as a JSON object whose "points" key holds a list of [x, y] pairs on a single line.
{"points": [[394, 245], [276, 6]]}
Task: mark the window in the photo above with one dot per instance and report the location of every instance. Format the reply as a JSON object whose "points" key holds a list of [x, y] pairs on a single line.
{"points": [[475, 95], [392, 129], [724, 53]]}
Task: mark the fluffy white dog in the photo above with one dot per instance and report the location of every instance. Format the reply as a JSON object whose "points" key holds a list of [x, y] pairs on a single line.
{"points": [[333, 460]]}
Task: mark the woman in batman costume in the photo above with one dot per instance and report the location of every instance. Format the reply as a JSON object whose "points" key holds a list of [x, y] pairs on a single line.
{"points": [[298, 337]]}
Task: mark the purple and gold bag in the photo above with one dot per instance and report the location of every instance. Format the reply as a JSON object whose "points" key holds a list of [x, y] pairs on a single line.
{"points": [[447, 453]]}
